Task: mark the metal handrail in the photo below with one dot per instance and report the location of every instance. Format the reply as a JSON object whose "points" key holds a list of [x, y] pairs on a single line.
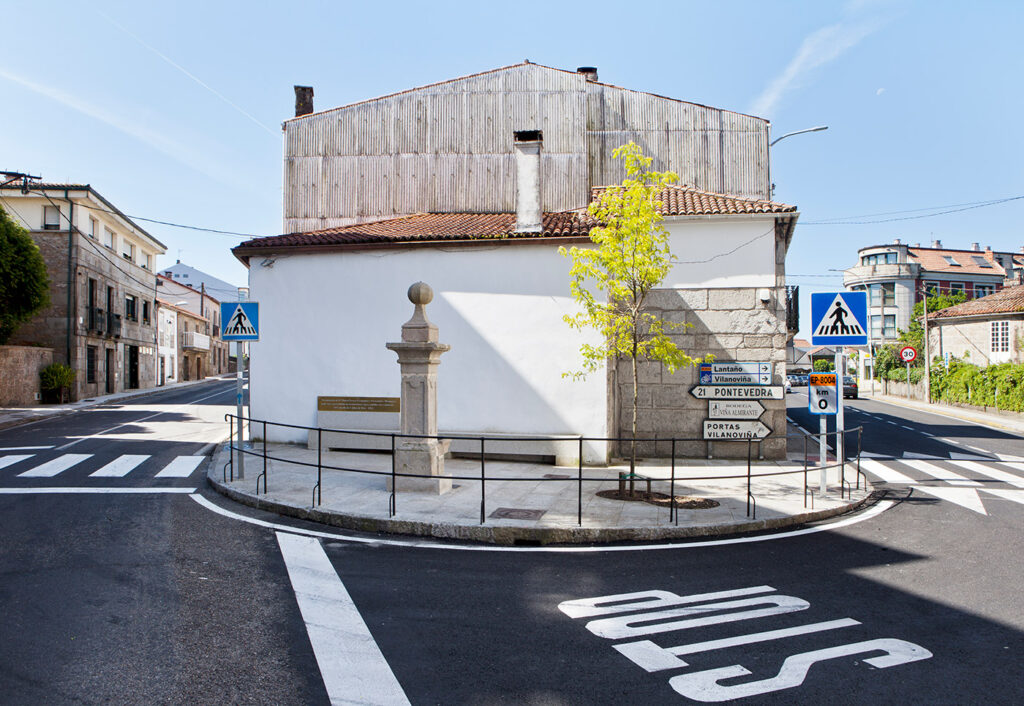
{"points": [[580, 478]]}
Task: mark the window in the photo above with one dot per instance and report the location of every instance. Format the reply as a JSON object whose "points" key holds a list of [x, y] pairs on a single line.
{"points": [[145, 312], [130, 311], [128, 250], [883, 294], [883, 326], [1000, 336], [94, 228], [108, 237], [983, 290], [51, 218], [881, 258], [931, 288], [980, 261], [147, 261], [951, 260], [955, 287], [90, 363]]}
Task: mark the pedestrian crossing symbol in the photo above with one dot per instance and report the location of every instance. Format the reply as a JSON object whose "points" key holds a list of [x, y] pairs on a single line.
{"points": [[240, 321], [839, 318]]}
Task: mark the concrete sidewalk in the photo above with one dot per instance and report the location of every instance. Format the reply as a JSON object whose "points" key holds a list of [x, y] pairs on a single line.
{"points": [[14, 416], [531, 502]]}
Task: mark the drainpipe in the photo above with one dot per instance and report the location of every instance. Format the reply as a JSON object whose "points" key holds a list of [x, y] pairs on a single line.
{"points": [[71, 247]]}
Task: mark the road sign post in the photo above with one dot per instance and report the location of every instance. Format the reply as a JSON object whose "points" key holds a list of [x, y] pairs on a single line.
{"points": [[840, 366], [823, 399], [908, 354], [240, 322]]}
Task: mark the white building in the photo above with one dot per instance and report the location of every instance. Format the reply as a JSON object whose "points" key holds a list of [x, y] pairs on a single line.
{"points": [[167, 343]]}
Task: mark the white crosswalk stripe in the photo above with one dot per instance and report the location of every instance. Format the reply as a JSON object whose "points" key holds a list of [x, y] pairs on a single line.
{"points": [[938, 472], [996, 473], [55, 466], [889, 475], [6, 461], [180, 467], [120, 466]]}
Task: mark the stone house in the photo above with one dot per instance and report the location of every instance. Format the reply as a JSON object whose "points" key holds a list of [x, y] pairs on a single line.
{"points": [[471, 186], [101, 320], [983, 331]]}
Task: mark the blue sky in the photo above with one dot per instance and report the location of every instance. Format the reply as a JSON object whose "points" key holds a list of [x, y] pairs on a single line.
{"points": [[173, 110]]}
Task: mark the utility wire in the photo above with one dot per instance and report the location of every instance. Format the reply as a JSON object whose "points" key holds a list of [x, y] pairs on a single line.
{"points": [[841, 222]]}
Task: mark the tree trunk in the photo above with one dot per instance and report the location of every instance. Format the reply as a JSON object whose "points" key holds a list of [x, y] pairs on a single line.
{"points": [[632, 444]]}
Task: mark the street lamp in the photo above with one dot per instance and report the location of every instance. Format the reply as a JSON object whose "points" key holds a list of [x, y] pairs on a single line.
{"points": [[798, 132]]}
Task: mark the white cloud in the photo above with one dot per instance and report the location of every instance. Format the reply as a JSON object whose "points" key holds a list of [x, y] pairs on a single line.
{"points": [[181, 153], [817, 49], [880, 91]]}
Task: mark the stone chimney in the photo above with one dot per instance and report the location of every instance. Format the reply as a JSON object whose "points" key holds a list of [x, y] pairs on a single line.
{"points": [[988, 249], [895, 241], [975, 247], [937, 244], [589, 72], [303, 100], [529, 209]]}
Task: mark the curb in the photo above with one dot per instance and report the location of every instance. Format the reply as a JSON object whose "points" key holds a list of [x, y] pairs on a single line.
{"points": [[944, 410], [510, 536], [63, 413]]}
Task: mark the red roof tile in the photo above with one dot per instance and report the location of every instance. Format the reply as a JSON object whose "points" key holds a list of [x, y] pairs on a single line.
{"points": [[934, 260], [688, 201], [1008, 300]]}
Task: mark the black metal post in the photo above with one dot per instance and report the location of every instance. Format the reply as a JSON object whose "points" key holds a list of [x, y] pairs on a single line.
{"points": [[231, 445], [264, 458], [579, 484], [392, 502], [673, 509], [748, 476], [483, 480]]}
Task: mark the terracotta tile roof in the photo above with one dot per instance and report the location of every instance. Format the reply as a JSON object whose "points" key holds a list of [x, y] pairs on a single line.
{"points": [[935, 260], [688, 201], [430, 227], [1008, 300]]}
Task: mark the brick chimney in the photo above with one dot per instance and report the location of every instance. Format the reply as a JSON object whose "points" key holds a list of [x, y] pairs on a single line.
{"points": [[975, 247], [529, 209], [303, 100]]}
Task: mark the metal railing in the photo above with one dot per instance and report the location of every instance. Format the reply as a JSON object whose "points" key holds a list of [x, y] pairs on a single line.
{"points": [[393, 475]]}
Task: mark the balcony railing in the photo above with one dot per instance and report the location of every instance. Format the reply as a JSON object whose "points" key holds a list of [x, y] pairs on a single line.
{"points": [[195, 340], [114, 325], [97, 320]]}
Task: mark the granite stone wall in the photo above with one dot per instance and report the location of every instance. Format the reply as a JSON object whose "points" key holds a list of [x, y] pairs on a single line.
{"points": [[19, 374]]}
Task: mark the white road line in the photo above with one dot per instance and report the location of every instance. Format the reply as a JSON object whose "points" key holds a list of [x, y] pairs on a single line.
{"points": [[134, 421], [887, 474], [878, 509], [908, 428], [180, 467], [6, 461], [24, 448], [120, 466], [975, 448], [92, 491], [54, 466], [996, 473], [352, 666], [939, 472]]}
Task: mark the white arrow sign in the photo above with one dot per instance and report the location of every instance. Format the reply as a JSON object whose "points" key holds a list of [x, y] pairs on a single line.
{"points": [[737, 392], [735, 409], [724, 430]]}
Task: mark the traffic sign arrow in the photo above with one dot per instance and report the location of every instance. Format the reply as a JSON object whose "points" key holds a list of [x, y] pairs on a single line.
{"points": [[725, 430]]}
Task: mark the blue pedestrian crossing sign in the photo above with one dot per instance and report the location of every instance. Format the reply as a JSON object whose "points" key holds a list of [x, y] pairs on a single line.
{"points": [[240, 321], [839, 318]]}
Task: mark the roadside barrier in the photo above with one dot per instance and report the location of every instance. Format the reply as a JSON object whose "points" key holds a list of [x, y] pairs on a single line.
{"points": [[845, 486]]}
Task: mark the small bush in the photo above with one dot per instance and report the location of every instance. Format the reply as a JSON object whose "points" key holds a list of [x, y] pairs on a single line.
{"points": [[56, 379]]}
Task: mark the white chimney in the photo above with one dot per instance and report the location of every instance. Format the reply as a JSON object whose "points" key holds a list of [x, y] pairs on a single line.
{"points": [[895, 241], [975, 247], [529, 211], [937, 244]]}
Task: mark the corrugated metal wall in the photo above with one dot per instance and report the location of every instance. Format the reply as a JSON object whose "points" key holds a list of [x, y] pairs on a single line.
{"points": [[448, 147]]}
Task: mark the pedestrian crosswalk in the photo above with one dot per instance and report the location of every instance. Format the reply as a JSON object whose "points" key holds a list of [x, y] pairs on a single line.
{"points": [[953, 480], [34, 466]]}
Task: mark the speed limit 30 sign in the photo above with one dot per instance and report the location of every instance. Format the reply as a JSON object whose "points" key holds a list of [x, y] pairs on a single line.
{"points": [[823, 393], [908, 354]]}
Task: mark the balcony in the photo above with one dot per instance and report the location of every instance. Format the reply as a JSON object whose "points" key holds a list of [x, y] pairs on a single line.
{"points": [[869, 274], [195, 341], [114, 325]]}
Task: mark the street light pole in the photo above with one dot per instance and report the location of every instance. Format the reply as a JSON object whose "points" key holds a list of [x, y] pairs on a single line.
{"points": [[797, 132]]}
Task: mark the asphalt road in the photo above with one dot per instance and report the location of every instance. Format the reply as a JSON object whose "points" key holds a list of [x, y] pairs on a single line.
{"points": [[154, 596]]}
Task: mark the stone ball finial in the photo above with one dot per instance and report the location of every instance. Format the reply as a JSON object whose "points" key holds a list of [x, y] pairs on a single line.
{"points": [[421, 294]]}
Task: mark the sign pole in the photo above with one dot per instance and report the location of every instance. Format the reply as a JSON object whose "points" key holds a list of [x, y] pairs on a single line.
{"points": [[840, 364], [908, 381], [238, 400], [822, 452]]}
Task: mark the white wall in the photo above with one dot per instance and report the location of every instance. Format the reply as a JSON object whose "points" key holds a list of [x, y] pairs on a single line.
{"points": [[325, 317]]}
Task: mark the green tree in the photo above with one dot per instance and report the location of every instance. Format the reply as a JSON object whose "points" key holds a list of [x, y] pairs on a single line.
{"points": [[824, 365], [612, 280], [24, 284], [914, 335]]}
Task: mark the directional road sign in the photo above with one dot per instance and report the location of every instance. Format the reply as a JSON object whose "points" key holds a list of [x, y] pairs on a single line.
{"points": [[908, 354], [839, 318], [736, 374], [823, 393], [737, 392], [240, 321], [735, 409], [725, 430]]}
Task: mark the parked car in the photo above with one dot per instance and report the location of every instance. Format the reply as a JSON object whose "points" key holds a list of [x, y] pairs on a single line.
{"points": [[789, 383], [802, 380], [850, 386]]}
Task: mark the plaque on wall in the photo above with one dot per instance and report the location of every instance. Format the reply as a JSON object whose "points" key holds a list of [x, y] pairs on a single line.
{"points": [[358, 404]]}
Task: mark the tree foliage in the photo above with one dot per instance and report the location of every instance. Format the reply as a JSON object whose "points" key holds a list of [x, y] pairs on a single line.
{"points": [[24, 284], [611, 281], [888, 364], [824, 365]]}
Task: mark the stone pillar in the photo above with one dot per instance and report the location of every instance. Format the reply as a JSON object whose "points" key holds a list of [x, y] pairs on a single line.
{"points": [[419, 354]]}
